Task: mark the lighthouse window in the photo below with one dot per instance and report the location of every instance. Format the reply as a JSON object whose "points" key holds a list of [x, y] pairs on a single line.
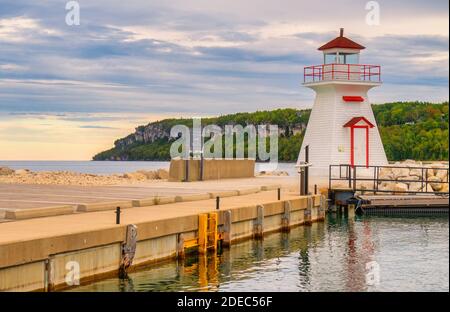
{"points": [[351, 58], [341, 58], [330, 58]]}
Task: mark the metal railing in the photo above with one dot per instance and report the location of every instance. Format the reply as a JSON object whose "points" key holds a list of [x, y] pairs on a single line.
{"points": [[349, 174], [348, 72]]}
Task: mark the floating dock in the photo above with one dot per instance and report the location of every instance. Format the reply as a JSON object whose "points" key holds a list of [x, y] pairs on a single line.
{"points": [[387, 204], [393, 204]]}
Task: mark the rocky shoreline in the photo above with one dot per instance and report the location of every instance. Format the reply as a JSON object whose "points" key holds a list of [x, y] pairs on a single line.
{"points": [[409, 177], [25, 176]]}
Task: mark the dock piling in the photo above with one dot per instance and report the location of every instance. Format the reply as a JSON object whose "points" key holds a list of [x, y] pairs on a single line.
{"points": [[286, 218], [117, 215], [227, 228]]}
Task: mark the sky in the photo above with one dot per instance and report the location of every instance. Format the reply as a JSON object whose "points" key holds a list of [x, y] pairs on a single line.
{"points": [[68, 91]]}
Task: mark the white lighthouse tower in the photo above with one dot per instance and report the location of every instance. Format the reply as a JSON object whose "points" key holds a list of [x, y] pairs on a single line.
{"points": [[342, 128]]}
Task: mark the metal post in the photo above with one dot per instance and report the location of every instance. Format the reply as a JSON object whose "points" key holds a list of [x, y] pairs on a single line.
{"points": [[201, 166], [302, 181], [117, 215], [315, 189], [329, 176], [217, 203], [306, 169], [279, 193], [349, 173], [186, 173], [354, 178]]}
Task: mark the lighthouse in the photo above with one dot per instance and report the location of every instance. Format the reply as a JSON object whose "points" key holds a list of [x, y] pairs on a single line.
{"points": [[342, 128]]}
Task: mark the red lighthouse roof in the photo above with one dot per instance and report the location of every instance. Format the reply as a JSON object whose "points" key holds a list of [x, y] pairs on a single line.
{"points": [[341, 42]]}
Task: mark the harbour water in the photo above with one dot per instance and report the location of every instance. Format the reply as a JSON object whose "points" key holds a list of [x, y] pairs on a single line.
{"points": [[363, 254], [113, 167]]}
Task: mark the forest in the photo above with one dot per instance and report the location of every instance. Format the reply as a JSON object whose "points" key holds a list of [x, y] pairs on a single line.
{"points": [[409, 130]]}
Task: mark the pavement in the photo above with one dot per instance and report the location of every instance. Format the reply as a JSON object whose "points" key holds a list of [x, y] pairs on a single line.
{"points": [[29, 196]]}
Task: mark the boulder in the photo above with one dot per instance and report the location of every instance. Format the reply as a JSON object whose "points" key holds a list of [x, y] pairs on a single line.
{"points": [[22, 171], [414, 172], [436, 185], [386, 174], [410, 162], [6, 171], [441, 174], [416, 186], [429, 172], [401, 187], [387, 186], [409, 178], [135, 176], [162, 174], [429, 189], [400, 172], [151, 175]]}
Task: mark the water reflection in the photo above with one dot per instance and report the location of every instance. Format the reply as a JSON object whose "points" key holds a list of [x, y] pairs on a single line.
{"points": [[329, 256]]}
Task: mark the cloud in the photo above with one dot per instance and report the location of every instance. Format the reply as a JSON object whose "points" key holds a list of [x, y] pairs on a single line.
{"points": [[180, 58], [95, 127]]}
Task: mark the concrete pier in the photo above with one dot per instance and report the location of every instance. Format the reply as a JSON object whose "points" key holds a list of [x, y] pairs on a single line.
{"points": [[42, 253]]}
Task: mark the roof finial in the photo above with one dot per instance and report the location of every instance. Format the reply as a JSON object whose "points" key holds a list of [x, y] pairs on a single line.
{"points": [[342, 32]]}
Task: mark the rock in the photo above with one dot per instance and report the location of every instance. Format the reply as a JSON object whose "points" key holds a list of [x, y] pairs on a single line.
{"points": [[410, 162], [401, 187], [416, 186], [441, 174], [429, 172], [416, 173], [6, 171], [162, 174], [135, 176], [151, 175], [444, 188], [400, 172], [429, 189], [273, 173], [409, 178], [387, 186], [22, 171], [436, 186], [386, 173]]}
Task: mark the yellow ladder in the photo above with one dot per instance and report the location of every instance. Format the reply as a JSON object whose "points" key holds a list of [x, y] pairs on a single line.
{"points": [[207, 233]]}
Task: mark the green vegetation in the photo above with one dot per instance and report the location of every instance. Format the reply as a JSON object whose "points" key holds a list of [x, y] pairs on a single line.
{"points": [[409, 130], [413, 130]]}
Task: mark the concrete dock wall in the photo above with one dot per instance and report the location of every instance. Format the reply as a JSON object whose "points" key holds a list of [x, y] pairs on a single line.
{"points": [[213, 169], [43, 264]]}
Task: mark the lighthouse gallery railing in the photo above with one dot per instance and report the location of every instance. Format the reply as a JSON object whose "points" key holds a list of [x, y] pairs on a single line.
{"points": [[345, 72]]}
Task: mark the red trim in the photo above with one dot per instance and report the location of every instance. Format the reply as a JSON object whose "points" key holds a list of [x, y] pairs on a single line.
{"points": [[349, 98], [352, 122], [341, 42], [367, 147], [352, 146]]}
